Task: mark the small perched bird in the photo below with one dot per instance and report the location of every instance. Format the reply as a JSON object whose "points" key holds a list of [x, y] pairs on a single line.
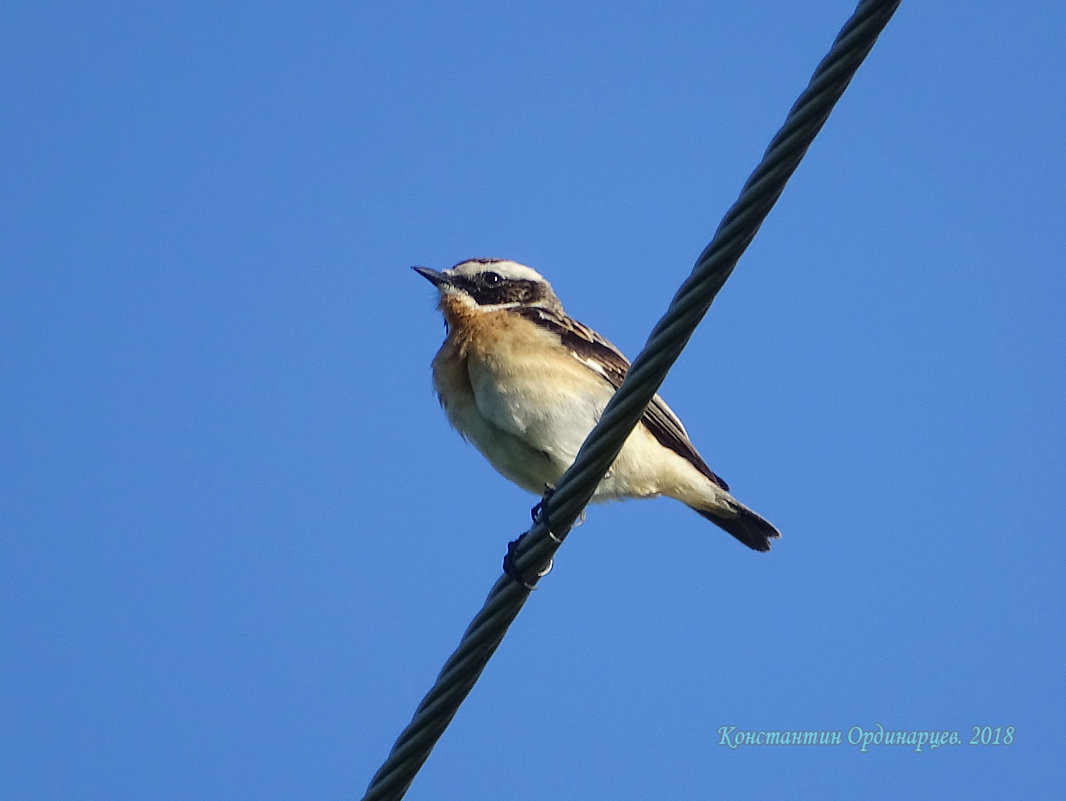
{"points": [[525, 384]]}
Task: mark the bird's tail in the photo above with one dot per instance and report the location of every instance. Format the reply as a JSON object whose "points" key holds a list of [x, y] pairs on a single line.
{"points": [[740, 521]]}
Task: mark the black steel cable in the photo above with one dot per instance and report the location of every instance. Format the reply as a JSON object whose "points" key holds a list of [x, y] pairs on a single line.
{"points": [[647, 373]]}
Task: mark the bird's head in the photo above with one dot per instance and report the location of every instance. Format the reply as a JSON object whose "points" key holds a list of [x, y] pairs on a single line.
{"points": [[484, 285]]}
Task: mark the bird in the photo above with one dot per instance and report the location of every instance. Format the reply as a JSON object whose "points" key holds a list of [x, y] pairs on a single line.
{"points": [[525, 383]]}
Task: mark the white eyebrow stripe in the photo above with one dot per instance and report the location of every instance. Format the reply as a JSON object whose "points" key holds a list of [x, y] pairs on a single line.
{"points": [[491, 307]]}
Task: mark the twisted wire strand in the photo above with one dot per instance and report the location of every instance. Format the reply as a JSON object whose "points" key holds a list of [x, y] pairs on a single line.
{"points": [[643, 380]]}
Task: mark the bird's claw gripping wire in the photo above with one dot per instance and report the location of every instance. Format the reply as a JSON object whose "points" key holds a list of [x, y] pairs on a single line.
{"points": [[512, 570], [537, 512], [538, 515]]}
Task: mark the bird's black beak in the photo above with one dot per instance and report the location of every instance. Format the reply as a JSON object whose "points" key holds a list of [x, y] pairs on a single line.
{"points": [[435, 277]]}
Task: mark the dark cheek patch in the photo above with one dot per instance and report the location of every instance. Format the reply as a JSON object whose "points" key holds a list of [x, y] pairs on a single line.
{"points": [[507, 292]]}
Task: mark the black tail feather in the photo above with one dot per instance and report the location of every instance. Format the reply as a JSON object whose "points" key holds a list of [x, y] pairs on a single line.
{"points": [[745, 525]]}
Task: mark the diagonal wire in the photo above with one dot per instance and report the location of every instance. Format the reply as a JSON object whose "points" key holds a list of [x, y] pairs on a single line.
{"points": [[647, 373]]}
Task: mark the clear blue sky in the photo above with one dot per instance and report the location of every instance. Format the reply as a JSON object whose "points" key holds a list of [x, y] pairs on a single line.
{"points": [[239, 538]]}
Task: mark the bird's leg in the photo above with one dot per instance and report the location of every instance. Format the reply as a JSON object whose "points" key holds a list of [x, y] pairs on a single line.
{"points": [[538, 511], [538, 515]]}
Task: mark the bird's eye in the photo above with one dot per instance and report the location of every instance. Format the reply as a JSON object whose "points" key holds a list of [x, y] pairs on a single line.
{"points": [[491, 279]]}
